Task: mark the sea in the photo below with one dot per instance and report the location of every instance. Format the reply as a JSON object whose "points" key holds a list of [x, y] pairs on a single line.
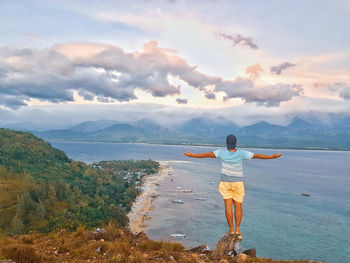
{"points": [[278, 220]]}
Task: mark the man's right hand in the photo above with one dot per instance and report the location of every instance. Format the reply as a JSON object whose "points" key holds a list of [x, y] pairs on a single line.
{"points": [[189, 154], [276, 155]]}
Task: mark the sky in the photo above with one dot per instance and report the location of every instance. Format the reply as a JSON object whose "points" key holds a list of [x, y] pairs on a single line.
{"points": [[63, 62]]}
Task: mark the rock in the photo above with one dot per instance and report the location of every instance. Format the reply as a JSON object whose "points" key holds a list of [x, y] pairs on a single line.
{"points": [[240, 258], [99, 233], [141, 236], [99, 230], [200, 249], [250, 252], [226, 245]]}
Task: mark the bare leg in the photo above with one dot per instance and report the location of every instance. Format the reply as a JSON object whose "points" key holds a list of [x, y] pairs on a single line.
{"points": [[229, 214], [238, 215]]}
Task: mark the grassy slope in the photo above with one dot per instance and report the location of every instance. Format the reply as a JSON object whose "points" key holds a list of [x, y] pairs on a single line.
{"points": [[42, 189], [116, 245]]}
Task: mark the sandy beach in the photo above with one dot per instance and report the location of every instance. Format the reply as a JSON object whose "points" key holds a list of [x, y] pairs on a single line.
{"points": [[143, 203]]}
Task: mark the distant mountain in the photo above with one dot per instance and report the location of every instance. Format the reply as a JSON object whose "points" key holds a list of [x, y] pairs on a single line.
{"points": [[208, 127], [92, 126], [118, 132], [21, 126], [297, 134], [262, 128], [341, 123], [298, 123], [61, 134]]}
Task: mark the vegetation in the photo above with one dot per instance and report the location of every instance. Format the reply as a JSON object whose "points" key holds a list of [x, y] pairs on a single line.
{"points": [[49, 202], [41, 189], [114, 245]]}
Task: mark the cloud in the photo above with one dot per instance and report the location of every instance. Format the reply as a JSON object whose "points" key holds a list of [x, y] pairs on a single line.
{"points": [[12, 102], [342, 88], [319, 84], [236, 39], [210, 96], [254, 71], [181, 101], [268, 95], [108, 73], [281, 67], [345, 93]]}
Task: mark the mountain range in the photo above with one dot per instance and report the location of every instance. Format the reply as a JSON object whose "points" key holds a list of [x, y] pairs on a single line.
{"points": [[299, 134]]}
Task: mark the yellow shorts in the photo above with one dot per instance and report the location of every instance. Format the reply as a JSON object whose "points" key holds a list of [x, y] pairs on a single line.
{"points": [[234, 190]]}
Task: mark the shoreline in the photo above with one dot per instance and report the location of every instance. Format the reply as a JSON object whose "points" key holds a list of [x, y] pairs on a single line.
{"points": [[209, 145], [143, 203]]}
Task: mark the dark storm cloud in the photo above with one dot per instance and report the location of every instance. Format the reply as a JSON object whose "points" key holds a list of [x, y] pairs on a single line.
{"points": [[281, 67], [108, 73], [237, 39]]}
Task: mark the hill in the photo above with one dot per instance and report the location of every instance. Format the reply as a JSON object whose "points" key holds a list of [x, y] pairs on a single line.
{"points": [[298, 134], [42, 189], [109, 245]]}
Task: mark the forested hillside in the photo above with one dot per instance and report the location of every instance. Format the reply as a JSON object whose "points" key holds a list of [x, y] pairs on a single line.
{"points": [[42, 189]]}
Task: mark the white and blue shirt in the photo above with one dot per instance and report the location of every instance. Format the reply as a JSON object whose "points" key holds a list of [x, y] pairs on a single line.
{"points": [[232, 164]]}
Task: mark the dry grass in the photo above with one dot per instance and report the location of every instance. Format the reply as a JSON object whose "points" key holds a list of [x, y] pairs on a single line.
{"points": [[22, 254], [268, 260], [114, 246]]}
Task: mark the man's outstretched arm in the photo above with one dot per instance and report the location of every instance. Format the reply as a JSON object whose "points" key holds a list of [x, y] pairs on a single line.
{"points": [[200, 155], [264, 156]]}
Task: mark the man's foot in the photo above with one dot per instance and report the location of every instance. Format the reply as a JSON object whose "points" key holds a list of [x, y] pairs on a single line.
{"points": [[231, 232], [239, 236]]}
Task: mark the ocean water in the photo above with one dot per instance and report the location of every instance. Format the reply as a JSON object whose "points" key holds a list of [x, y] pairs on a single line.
{"points": [[277, 220]]}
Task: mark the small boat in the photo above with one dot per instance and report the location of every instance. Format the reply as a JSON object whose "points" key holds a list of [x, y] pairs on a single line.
{"points": [[177, 235], [211, 182], [177, 201], [178, 187], [154, 195], [305, 194], [187, 191], [201, 199]]}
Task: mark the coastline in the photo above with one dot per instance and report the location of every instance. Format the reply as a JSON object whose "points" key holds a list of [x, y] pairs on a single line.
{"points": [[208, 145], [143, 203]]}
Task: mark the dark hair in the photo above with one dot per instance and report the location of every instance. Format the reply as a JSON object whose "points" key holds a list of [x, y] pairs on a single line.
{"points": [[231, 141]]}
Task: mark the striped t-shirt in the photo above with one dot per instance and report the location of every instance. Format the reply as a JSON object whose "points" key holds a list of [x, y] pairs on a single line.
{"points": [[232, 164]]}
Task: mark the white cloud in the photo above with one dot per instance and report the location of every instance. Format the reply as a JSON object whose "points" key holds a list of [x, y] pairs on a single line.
{"points": [[110, 74]]}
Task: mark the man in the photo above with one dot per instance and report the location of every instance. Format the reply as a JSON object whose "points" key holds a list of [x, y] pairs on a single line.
{"points": [[231, 183]]}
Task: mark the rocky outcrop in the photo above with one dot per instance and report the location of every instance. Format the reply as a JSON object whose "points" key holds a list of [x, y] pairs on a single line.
{"points": [[230, 245], [250, 252], [200, 249], [227, 245]]}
